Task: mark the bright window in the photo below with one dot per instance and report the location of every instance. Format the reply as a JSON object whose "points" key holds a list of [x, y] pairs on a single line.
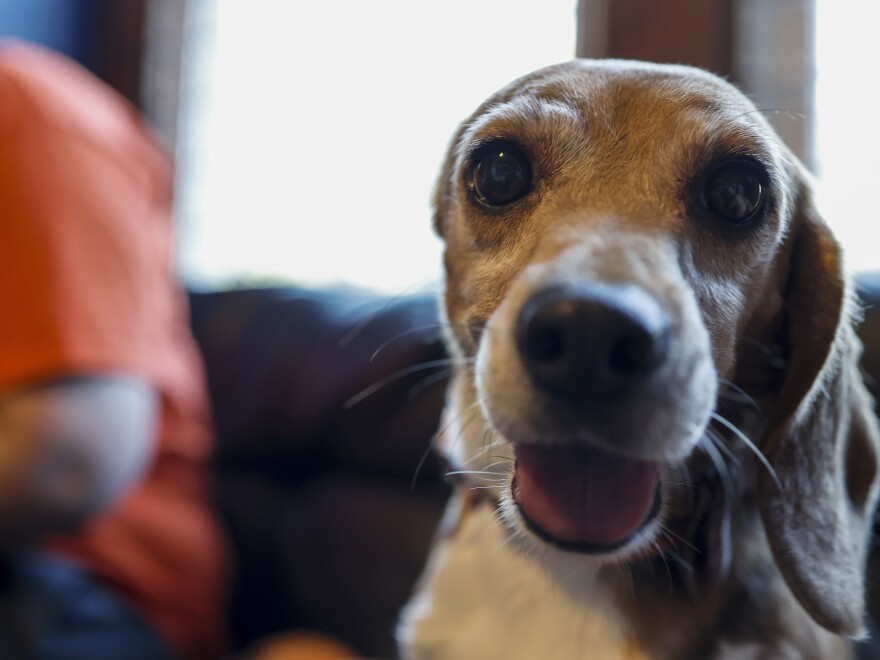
{"points": [[311, 131], [848, 141]]}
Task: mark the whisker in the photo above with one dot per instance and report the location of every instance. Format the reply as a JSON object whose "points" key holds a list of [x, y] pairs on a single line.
{"points": [[481, 453], [662, 553], [358, 328], [716, 439], [672, 535], [501, 461], [746, 398], [485, 445], [688, 480], [477, 472], [472, 412], [721, 467], [406, 371], [678, 559], [627, 578], [507, 539], [469, 415], [748, 443], [426, 382], [421, 328]]}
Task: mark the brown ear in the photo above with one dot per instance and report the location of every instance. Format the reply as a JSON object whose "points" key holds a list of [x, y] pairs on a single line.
{"points": [[444, 188], [823, 439]]}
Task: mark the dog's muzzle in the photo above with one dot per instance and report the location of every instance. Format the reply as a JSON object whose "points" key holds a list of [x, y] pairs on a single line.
{"points": [[589, 348]]}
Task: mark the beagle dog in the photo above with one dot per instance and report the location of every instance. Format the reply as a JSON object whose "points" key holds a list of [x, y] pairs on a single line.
{"points": [[660, 439]]}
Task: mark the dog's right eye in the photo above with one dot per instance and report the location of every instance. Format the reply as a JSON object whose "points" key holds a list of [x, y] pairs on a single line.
{"points": [[500, 174], [734, 192]]}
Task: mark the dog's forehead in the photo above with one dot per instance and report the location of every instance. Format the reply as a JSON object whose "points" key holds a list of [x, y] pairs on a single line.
{"points": [[588, 83], [617, 94]]}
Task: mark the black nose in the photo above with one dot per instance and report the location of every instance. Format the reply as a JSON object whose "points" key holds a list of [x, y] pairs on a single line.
{"points": [[592, 342]]}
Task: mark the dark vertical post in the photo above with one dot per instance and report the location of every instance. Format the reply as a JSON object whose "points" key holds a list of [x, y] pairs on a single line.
{"points": [[696, 32], [120, 32]]}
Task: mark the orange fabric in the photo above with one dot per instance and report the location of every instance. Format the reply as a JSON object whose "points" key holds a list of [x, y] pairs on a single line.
{"points": [[86, 288], [301, 645]]}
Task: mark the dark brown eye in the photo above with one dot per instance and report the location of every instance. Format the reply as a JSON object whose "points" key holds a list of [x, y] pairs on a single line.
{"points": [[734, 192], [501, 174]]}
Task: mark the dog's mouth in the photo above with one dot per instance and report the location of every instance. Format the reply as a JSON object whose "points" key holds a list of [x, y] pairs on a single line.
{"points": [[584, 499]]}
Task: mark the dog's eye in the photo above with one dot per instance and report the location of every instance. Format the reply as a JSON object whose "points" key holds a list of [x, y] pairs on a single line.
{"points": [[501, 174], [734, 192]]}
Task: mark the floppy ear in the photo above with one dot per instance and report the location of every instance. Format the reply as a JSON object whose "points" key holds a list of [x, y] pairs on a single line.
{"points": [[823, 438], [443, 188]]}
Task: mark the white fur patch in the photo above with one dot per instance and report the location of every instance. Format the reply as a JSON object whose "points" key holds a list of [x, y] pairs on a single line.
{"points": [[483, 597]]}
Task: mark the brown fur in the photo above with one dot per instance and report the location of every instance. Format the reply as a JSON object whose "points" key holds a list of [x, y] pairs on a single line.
{"points": [[616, 148]]}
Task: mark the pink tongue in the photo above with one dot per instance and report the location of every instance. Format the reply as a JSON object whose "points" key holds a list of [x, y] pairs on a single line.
{"points": [[584, 496]]}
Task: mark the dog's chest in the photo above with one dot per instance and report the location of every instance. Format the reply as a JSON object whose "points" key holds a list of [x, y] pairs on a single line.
{"points": [[483, 597]]}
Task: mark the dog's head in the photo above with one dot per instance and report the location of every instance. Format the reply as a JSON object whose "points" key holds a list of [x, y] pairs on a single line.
{"points": [[626, 243]]}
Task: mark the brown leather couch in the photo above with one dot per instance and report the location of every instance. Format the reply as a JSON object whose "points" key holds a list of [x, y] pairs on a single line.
{"points": [[331, 507], [325, 478]]}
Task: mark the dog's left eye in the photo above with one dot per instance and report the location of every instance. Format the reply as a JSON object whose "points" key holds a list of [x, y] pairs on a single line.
{"points": [[501, 174], [734, 192]]}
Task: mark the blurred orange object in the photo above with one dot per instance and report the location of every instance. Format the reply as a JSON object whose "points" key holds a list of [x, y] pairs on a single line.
{"points": [[301, 645], [87, 287]]}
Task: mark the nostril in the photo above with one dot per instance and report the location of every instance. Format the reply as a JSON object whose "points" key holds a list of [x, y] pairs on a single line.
{"points": [[543, 339], [638, 351]]}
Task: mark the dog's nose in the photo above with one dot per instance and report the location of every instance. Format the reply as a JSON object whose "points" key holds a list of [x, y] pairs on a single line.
{"points": [[592, 342]]}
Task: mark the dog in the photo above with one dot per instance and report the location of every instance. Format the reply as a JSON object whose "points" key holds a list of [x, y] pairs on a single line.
{"points": [[660, 440]]}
